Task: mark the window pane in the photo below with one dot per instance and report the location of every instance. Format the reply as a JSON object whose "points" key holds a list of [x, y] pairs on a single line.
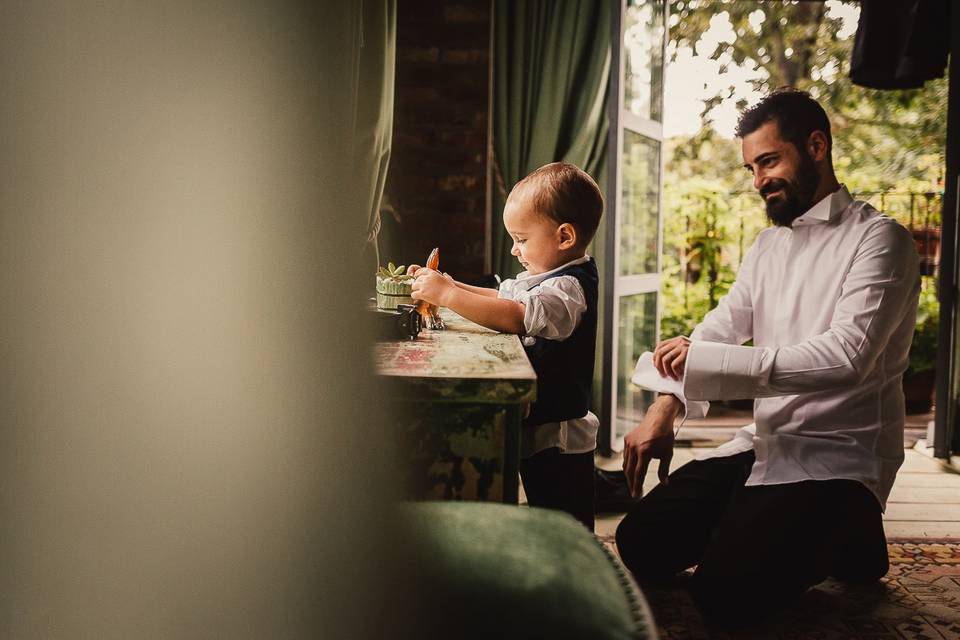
{"points": [[643, 58], [640, 211], [638, 332]]}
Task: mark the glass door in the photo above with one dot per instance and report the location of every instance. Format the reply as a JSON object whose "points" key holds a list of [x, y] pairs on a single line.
{"points": [[634, 230]]}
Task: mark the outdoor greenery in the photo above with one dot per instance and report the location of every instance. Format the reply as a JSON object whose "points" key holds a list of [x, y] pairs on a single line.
{"points": [[885, 143], [923, 351]]}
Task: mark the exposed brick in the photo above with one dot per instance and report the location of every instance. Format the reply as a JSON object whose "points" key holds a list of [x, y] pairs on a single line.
{"points": [[457, 183], [473, 12], [466, 138], [437, 177], [417, 54], [464, 56], [453, 83], [445, 35]]}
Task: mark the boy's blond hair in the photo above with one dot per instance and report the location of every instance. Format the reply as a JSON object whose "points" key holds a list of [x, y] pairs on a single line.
{"points": [[564, 192]]}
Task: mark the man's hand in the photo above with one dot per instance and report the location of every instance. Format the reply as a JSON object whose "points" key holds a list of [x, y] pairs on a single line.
{"points": [[670, 357], [652, 438], [432, 286]]}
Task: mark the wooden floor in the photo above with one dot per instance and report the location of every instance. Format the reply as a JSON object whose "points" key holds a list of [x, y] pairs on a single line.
{"points": [[924, 503]]}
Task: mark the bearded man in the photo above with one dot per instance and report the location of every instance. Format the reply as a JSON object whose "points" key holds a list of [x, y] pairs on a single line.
{"points": [[828, 295]]}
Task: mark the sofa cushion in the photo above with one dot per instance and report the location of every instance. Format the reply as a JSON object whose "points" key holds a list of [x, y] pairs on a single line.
{"points": [[486, 570]]}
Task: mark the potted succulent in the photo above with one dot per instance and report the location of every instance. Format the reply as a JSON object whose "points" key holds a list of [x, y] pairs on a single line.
{"points": [[920, 376], [393, 286]]}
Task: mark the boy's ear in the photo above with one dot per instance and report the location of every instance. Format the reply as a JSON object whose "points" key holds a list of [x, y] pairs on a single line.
{"points": [[568, 235]]}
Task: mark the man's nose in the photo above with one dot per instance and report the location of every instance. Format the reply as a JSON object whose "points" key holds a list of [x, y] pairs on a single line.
{"points": [[759, 180]]}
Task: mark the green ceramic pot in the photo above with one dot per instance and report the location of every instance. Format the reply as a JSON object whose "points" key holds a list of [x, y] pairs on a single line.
{"points": [[393, 290]]}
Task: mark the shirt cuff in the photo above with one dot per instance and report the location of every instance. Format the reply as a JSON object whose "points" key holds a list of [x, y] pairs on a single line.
{"points": [[719, 371], [646, 376]]}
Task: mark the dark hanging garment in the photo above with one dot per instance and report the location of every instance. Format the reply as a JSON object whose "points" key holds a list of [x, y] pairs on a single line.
{"points": [[900, 44]]}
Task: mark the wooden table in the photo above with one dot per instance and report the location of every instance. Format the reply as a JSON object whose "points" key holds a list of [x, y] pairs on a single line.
{"points": [[459, 395]]}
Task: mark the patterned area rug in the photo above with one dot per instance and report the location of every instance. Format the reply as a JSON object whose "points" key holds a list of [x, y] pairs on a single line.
{"points": [[919, 599]]}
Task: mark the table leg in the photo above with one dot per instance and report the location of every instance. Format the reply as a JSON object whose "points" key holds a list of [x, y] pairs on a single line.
{"points": [[511, 454]]}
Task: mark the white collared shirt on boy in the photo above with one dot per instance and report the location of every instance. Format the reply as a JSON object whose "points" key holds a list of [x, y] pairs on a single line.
{"points": [[553, 308], [830, 305]]}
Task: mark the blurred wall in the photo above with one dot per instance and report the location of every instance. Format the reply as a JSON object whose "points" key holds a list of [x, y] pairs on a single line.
{"points": [[437, 178], [184, 449]]}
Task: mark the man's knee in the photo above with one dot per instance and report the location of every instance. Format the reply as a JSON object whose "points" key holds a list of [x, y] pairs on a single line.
{"points": [[644, 549], [630, 544]]}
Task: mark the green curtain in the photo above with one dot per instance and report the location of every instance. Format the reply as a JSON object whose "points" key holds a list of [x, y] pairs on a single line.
{"points": [[375, 40], [551, 70]]}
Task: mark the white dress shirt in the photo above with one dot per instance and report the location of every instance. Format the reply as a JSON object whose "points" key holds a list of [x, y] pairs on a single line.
{"points": [[830, 305], [553, 307]]}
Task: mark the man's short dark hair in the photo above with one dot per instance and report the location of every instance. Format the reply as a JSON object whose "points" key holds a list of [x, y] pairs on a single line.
{"points": [[796, 113], [564, 192]]}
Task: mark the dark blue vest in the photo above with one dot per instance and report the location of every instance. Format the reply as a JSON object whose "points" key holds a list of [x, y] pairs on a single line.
{"points": [[565, 367]]}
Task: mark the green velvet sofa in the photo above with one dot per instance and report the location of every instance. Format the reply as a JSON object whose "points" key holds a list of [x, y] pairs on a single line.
{"points": [[485, 570]]}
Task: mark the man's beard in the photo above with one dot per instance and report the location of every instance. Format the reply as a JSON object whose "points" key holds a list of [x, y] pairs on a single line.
{"points": [[796, 196]]}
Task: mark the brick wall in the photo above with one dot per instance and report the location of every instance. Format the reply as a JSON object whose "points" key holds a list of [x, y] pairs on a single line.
{"points": [[437, 177]]}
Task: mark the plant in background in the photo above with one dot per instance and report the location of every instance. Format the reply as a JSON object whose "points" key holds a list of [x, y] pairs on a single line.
{"points": [[888, 150], [923, 349], [919, 379], [704, 241]]}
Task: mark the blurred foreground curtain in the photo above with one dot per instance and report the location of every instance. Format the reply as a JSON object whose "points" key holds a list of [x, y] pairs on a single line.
{"points": [[373, 103], [900, 44], [551, 70], [190, 445]]}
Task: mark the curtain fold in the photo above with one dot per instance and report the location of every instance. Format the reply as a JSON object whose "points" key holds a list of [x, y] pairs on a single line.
{"points": [[900, 44], [374, 70], [551, 71]]}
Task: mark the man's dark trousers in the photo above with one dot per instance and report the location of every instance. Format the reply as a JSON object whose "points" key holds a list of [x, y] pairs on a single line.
{"points": [[757, 547]]}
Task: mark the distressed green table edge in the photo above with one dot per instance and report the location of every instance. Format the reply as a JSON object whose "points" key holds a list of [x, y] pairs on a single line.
{"points": [[465, 363]]}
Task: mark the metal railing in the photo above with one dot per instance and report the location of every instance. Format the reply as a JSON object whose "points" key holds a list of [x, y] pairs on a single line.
{"points": [[920, 212]]}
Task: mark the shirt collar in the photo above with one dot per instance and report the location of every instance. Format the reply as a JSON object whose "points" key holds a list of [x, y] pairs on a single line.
{"points": [[530, 281], [826, 209]]}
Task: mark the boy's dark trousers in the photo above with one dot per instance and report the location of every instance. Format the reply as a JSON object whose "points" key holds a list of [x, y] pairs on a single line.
{"points": [[755, 547], [561, 481]]}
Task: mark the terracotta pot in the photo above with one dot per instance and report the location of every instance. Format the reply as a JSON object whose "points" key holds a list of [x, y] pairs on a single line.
{"points": [[918, 390], [928, 246]]}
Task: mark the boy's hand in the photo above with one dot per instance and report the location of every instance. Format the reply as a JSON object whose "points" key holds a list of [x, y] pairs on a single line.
{"points": [[433, 287], [412, 271]]}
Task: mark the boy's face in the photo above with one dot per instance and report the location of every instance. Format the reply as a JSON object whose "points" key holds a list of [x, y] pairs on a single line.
{"points": [[537, 239]]}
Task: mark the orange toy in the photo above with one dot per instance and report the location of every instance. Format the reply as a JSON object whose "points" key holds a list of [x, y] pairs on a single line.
{"points": [[431, 312]]}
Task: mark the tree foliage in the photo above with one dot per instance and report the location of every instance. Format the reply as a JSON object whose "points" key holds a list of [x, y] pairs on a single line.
{"points": [[884, 141], [799, 45]]}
